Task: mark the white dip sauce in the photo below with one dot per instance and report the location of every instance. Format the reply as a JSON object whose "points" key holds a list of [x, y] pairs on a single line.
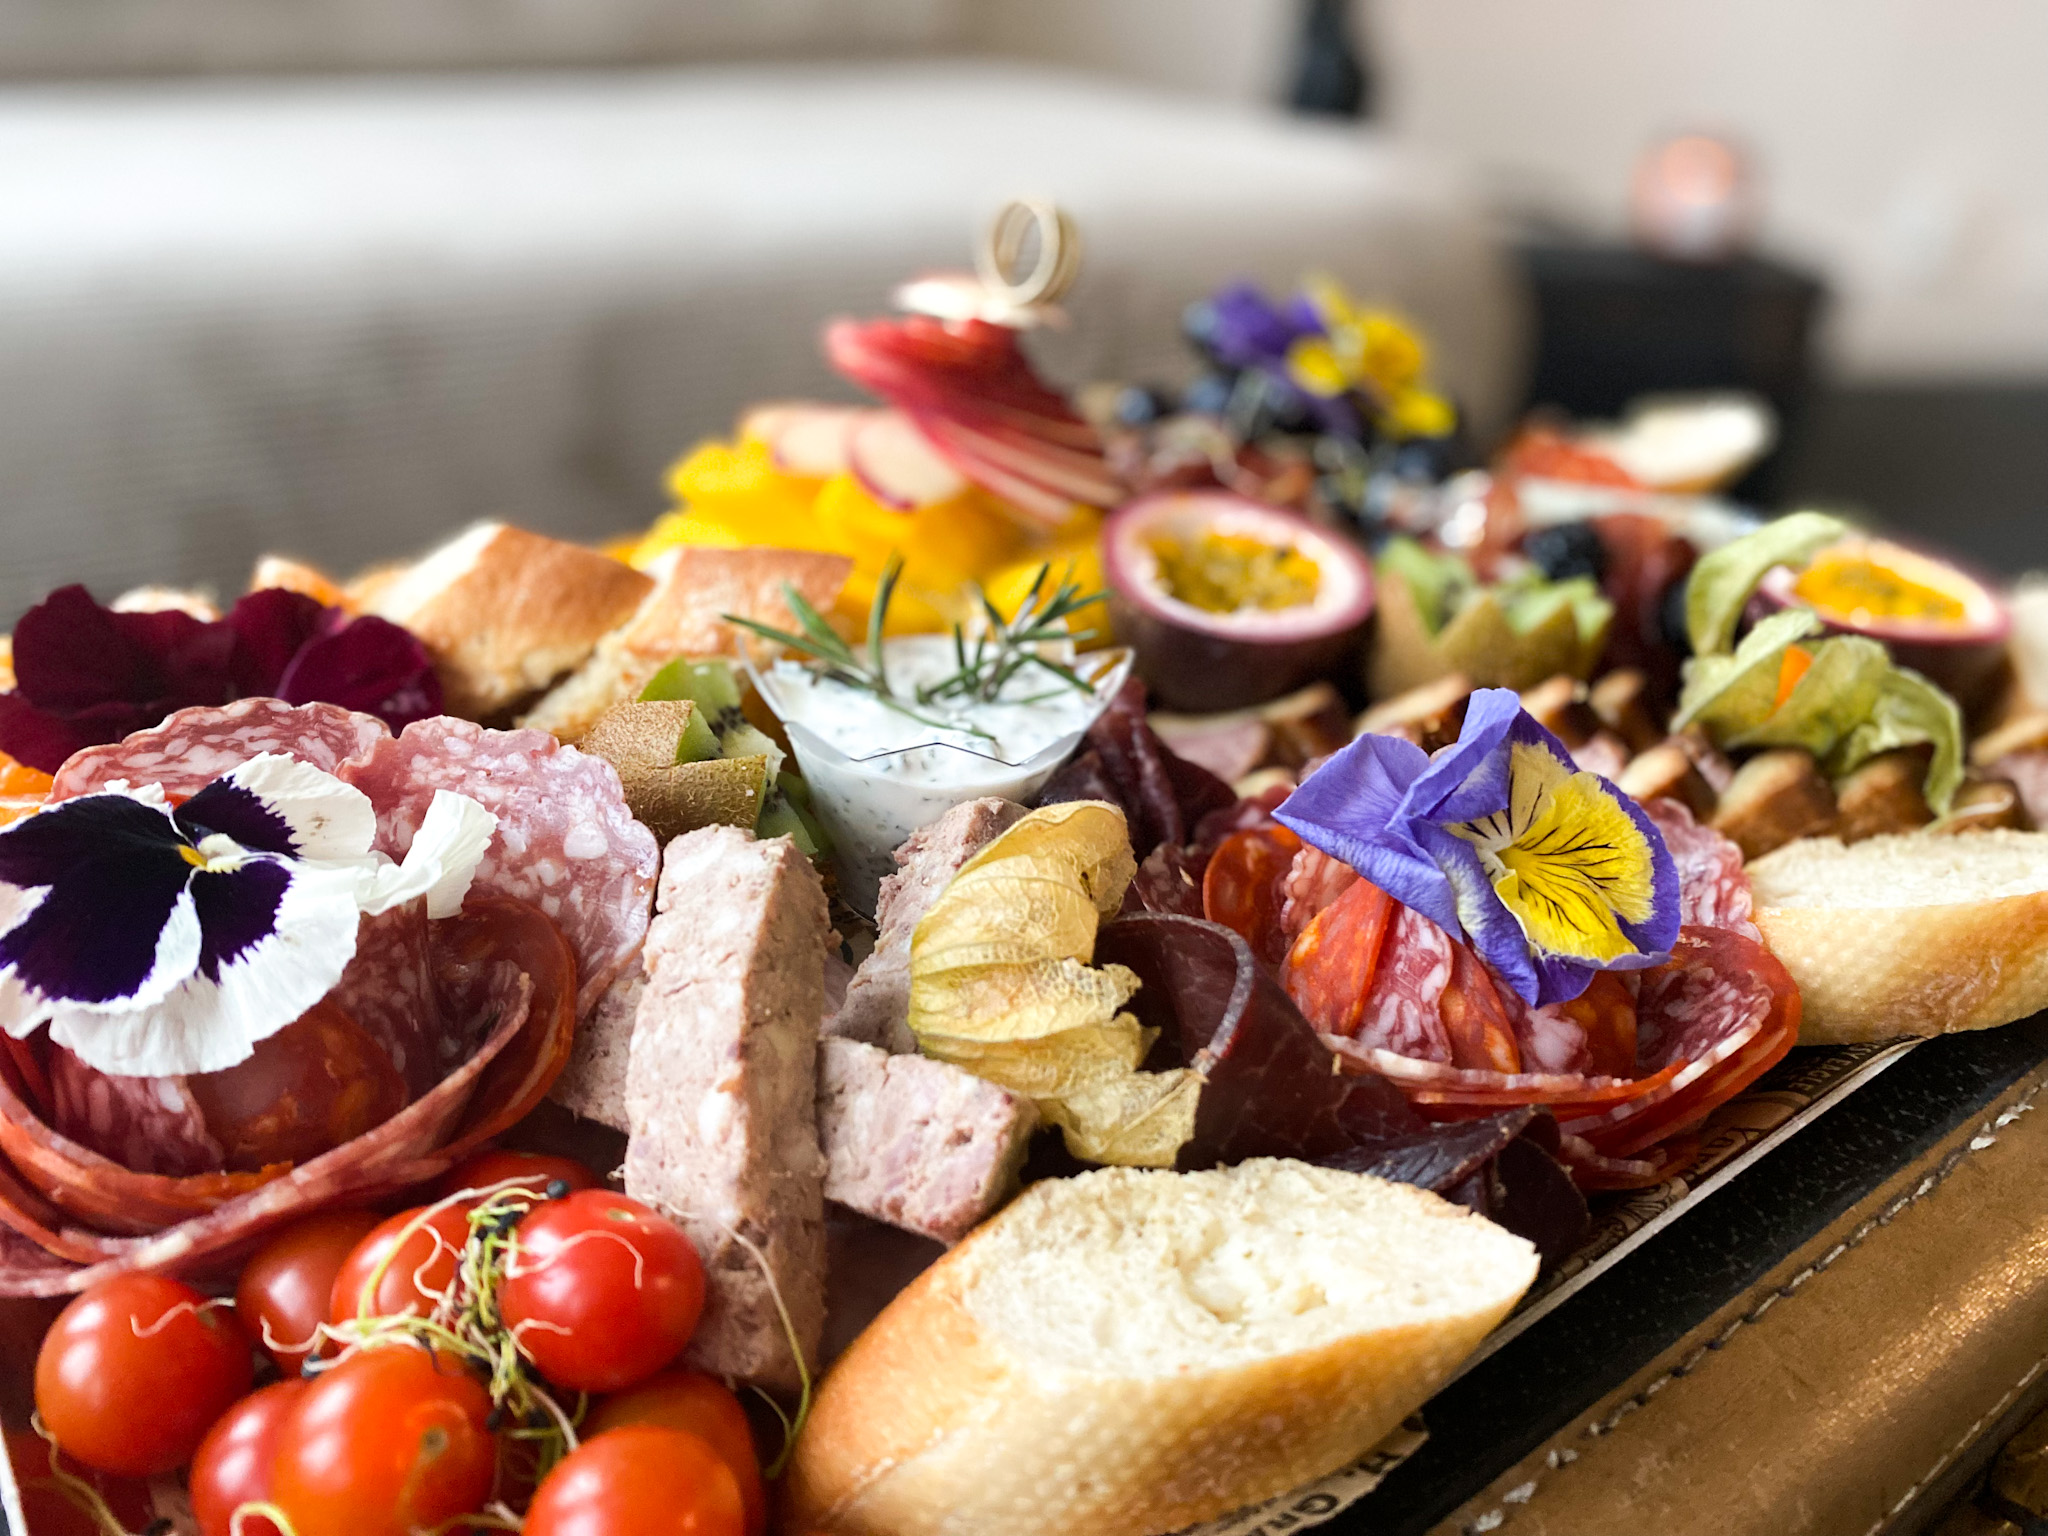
{"points": [[877, 774]]}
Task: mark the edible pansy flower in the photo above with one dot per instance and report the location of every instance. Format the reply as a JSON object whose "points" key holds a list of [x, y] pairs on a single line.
{"points": [[1351, 348], [1244, 329], [156, 939], [1550, 872], [86, 674]]}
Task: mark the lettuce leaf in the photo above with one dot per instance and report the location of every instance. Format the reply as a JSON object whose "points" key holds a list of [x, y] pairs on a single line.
{"points": [[1720, 585]]}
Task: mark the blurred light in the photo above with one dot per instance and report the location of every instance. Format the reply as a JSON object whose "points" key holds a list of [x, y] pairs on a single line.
{"points": [[1693, 199]]}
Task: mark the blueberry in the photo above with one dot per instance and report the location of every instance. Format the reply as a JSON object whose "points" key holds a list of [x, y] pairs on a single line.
{"points": [[1207, 396], [1565, 550]]}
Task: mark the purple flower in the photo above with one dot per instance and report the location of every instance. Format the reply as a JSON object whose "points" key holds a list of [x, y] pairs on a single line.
{"points": [[1247, 330], [1549, 872], [155, 940], [85, 674]]}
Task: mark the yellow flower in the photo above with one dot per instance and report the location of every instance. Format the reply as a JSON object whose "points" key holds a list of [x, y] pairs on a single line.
{"points": [[1565, 858]]}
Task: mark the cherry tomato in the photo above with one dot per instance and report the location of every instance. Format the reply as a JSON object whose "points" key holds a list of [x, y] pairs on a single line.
{"points": [[232, 1465], [422, 1266], [600, 1291], [701, 1405], [287, 1289], [133, 1372], [48, 1509], [635, 1482], [389, 1442], [537, 1169]]}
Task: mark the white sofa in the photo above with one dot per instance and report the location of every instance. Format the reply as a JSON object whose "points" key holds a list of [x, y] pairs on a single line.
{"points": [[342, 315]]}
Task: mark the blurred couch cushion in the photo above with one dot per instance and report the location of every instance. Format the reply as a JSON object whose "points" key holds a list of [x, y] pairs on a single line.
{"points": [[339, 317], [110, 37]]}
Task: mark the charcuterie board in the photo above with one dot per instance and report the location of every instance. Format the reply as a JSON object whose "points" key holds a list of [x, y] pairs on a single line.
{"points": [[1004, 969]]}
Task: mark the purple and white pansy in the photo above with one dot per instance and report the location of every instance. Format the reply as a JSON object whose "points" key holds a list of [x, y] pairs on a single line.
{"points": [[156, 939], [1550, 872]]}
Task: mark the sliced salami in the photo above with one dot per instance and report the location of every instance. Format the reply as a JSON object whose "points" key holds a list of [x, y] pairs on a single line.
{"points": [[1713, 890], [1313, 881], [388, 989], [1402, 1009], [196, 746], [1329, 972], [149, 1124], [506, 967], [1241, 888], [1721, 1013], [565, 842]]}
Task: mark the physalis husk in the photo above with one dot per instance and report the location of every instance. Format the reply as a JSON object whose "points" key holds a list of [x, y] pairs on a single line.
{"points": [[1001, 985]]}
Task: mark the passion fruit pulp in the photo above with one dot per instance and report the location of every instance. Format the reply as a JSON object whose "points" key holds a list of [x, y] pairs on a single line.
{"points": [[1933, 615], [1227, 602]]}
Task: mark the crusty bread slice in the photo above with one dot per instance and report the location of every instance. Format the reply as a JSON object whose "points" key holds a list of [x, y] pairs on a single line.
{"points": [[695, 586], [1908, 934], [504, 612], [1131, 1351]]}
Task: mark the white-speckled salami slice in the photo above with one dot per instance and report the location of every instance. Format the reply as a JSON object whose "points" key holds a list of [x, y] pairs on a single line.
{"points": [[1713, 888], [196, 746], [149, 1124], [1402, 1012], [566, 841], [389, 990]]}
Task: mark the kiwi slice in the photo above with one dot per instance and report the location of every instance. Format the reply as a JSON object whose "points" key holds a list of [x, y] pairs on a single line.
{"points": [[674, 778]]}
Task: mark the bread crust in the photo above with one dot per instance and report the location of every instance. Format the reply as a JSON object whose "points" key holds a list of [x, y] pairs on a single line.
{"points": [[1875, 973], [930, 1426], [529, 609]]}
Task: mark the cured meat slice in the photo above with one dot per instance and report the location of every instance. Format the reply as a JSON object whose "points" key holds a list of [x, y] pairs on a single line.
{"points": [[388, 989], [1242, 888], [566, 841], [149, 1124], [1169, 880], [1313, 882], [1329, 971], [1399, 1009], [1123, 761], [193, 747], [505, 968], [1721, 1013], [1475, 1024], [1267, 1087], [1713, 890]]}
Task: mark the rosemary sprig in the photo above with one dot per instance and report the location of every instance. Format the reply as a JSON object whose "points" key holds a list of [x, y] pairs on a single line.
{"points": [[999, 650], [1004, 647]]}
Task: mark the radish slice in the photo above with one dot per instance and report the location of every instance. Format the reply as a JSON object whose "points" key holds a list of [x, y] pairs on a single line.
{"points": [[812, 441], [764, 423], [898, 466]]}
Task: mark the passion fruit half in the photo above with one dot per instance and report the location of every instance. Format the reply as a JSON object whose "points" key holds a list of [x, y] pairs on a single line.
{"points": [[1933, 615], [1228, 602]]}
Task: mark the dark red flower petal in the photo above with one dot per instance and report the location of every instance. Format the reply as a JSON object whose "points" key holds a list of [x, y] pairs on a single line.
{"points": [[270, 626], [367, 664]]}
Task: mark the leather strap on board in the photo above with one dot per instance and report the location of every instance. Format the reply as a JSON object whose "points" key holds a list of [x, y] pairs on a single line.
{"points": [[1842, 1388]]}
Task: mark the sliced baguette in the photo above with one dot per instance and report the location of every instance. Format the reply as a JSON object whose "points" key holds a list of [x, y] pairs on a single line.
{"points": [[505, 612], [683, 614], [1908, 934], [1131, 1351]]}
